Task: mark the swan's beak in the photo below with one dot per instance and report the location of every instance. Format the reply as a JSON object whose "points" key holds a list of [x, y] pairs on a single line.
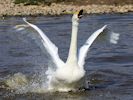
{"points": [[80, 14]]}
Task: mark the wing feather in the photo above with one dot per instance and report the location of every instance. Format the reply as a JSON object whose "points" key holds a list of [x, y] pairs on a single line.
{"points": [[47, 45], [84, 49], [110, 35]]}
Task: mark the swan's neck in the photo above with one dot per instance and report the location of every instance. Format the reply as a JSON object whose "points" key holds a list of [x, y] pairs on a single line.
{"points": [[72, 56]]}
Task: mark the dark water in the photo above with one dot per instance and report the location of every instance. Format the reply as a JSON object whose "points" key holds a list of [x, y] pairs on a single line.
{"points": [[109, 68]]}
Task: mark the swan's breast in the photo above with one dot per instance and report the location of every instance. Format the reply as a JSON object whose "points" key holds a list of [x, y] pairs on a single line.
{"points": [[69, 74]]}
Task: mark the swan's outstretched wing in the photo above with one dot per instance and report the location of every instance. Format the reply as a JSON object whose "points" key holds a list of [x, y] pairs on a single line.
{"points": [[44, 40], [84, 49]]}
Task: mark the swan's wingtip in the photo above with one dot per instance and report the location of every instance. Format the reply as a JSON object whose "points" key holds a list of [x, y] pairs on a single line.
{"points": [[105, 26], [24, 19]]}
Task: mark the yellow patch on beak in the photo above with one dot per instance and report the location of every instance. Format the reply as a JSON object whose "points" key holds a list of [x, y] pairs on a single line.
{"points": [[77, 12]]}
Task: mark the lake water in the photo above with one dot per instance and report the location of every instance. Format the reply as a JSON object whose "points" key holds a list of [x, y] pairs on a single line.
{"points": [[109, 68]]}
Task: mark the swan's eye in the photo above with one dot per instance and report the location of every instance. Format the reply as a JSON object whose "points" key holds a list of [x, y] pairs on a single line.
{"points": [[80, 14]]}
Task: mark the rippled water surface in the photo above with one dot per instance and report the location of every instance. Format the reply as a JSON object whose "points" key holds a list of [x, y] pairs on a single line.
{"points": [[109, 68]]}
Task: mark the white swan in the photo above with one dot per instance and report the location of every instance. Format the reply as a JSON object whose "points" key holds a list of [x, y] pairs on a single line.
{"points": [[69, 74]]}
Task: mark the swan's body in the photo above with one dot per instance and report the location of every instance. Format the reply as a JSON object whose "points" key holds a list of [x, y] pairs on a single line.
{"points": [[67, 76]]}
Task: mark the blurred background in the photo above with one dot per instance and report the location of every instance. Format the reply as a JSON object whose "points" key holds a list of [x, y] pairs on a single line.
{"points": [[79, 2]]}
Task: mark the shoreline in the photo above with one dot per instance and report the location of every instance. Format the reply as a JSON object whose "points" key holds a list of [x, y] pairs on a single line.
{"points": [[60, 9]]}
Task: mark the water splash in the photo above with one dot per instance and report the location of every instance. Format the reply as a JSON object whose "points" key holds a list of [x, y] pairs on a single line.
{"points": [[38, 83]]}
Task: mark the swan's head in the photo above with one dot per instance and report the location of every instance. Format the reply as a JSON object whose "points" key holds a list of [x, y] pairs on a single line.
{"points": [[77, 16]]}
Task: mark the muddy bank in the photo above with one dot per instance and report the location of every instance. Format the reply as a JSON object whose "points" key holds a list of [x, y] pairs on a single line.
{"points": [[8, 8]]}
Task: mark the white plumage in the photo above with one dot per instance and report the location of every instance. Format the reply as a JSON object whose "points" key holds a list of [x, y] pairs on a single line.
{"points": [[68, 75]]}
